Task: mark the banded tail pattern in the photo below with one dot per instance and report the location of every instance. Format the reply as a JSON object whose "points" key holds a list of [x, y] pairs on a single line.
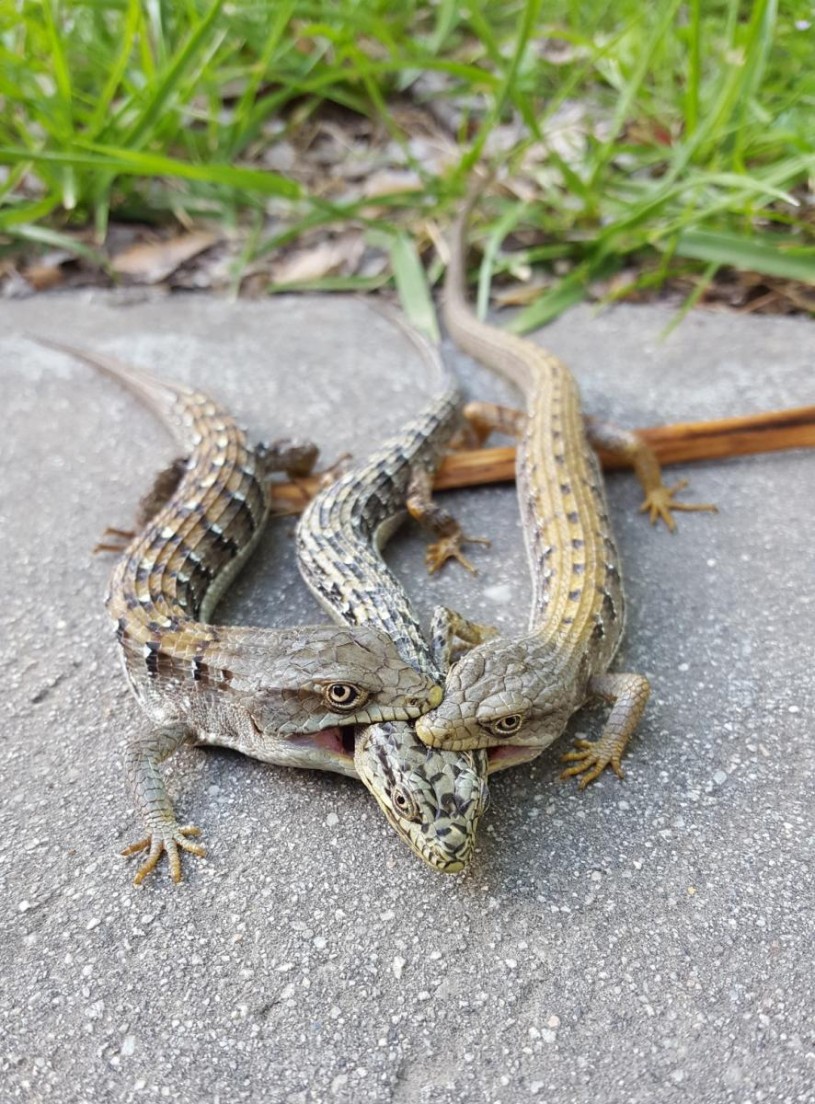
{"points": [[175, 570]]}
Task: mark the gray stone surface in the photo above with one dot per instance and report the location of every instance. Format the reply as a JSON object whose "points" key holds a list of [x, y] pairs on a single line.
{"points": [[650, 940]]}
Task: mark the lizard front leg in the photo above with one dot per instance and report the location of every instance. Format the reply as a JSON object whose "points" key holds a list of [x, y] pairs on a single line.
{"points": [[146, 750], [420, 505], [629, 695], [629, 448], [480, 419], [449, 630]]}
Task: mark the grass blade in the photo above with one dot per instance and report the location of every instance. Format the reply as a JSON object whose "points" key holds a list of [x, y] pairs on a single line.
{"points": [[134, 163], [568, 293], [169, 82], [43, 235], [771, 258], [411, 284]]}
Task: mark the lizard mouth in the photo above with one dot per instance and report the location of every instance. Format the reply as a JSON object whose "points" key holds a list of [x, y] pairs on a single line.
{"points": [[336, 741], [509, 755]]}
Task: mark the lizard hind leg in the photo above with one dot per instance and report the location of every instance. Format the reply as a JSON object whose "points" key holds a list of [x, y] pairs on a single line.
{"points": [[659, 504], [589, 758], [628, 448], [422, 508], [163, 487], [113, 540]]}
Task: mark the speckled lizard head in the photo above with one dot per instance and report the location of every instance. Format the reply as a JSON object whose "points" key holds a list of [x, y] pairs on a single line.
{"points": [[507, 696], [433, 799]]}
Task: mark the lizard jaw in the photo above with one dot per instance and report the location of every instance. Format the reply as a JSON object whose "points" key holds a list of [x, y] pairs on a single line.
{"points": [[509, 755]]}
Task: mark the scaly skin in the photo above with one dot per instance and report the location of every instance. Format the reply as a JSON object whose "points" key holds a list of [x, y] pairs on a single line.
{"points": [[433, 799], [518, 694], [275, 694]]}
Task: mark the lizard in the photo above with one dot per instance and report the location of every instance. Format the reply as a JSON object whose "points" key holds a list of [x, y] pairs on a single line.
{"points": [[519, 693], [434, 799], [283, 696]]}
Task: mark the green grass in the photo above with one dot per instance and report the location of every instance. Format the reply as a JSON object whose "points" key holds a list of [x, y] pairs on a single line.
{"points": [[695, 145]]}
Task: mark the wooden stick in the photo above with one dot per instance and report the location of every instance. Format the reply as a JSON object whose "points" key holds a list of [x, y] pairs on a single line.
{"points": [[681, 443]]}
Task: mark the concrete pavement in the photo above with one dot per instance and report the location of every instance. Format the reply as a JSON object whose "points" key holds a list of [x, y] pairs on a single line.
{"points": [[648, 940]]}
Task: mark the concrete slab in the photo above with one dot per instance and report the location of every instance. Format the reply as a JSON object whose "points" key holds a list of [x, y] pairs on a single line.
{"points": [[647, 940]]}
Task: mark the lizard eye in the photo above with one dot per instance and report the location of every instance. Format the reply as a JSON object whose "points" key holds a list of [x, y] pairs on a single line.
{"points": [[507, 726], [405, 804], [345, 696]]}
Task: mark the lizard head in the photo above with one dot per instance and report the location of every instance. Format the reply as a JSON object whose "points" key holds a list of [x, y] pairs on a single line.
{"points": [[433, 799], [503, 696], [295, 684]]}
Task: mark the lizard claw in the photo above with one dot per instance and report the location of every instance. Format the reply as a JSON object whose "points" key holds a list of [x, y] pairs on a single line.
{"points": [[120, 538], [590, 759], [449, 548], [659, 503], [168, 840]]}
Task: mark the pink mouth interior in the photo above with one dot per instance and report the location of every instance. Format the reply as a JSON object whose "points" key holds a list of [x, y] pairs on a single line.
{"points": [[339, 741], [509, 755]]}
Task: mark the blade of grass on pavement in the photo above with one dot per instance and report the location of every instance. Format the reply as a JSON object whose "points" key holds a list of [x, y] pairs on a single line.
{"points": [[411, 283], [505, 225]]}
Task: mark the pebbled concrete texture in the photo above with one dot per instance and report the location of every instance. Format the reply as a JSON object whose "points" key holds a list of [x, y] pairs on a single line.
{"points": [[648, 940]]}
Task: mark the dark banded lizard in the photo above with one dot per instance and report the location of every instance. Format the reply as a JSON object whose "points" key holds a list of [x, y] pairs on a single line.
{"points": [[275, 694]]}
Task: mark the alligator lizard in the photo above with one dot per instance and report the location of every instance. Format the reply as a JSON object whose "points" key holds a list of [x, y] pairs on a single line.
{"points": [[274, 694], [433, 798], [518, 694]]}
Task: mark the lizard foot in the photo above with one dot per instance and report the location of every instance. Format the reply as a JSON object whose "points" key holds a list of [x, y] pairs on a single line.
{"points": [[480, 633], [120, 538], [590, 758], [449, 548], [659, 503], [461, 645], [169, 839]]}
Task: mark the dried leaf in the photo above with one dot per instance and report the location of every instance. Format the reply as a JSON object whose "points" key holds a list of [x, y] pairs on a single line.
{"points": [[332, 257], [43, 276], [47, 271], [152, 262], [391, 182]]}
